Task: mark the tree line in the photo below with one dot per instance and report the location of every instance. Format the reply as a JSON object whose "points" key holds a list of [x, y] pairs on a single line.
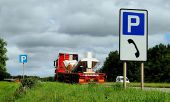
{"points": [[156, 68]]}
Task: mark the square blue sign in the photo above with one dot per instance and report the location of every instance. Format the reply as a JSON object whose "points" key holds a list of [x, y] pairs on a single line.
{"points": [[23, 58], [133, 23]]}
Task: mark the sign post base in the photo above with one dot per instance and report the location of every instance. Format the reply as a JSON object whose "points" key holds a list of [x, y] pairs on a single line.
{"points": [[142, 76], [124, 75]]}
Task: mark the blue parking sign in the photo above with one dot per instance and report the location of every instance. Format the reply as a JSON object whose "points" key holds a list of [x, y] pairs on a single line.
{"points": [[133, 23], [23, 58], [133, 33]]}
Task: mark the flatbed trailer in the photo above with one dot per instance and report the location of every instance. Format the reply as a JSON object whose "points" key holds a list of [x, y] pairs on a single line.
{"points": [[70, 70]]}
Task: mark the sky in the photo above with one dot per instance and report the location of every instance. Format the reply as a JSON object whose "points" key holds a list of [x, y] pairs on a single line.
{"points": [[43, 28]]}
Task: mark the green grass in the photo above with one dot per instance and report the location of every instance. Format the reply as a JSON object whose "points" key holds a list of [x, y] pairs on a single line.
{"points": [[7, 90], [60, 92]]}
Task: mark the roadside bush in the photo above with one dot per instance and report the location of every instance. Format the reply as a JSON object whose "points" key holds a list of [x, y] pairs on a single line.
{"points": [[26, 83], [19, 92], [29, 82]]}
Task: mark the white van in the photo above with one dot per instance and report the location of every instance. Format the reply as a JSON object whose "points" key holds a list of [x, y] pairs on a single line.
{"points": [[120, 79]]}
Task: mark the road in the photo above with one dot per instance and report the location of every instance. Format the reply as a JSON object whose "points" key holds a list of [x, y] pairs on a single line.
{"points": [[158, 89]]}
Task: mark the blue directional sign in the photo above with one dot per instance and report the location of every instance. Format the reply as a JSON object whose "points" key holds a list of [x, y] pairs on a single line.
{"points": [[133, 34], [23, 58]]}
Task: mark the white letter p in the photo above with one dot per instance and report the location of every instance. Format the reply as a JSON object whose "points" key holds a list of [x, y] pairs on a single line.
{"points": [[130, 24], [23, 58]]}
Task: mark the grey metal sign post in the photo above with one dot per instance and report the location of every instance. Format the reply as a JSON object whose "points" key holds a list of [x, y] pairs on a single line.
{"points": [[23, 59], [142, 75], [124, 75]]}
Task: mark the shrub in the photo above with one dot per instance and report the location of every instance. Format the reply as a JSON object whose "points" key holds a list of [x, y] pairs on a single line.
{"points": [[19, 92], [29, 82]]}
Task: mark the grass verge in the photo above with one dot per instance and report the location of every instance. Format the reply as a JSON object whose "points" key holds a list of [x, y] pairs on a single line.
{"points": [[7, 90], [61, 92]]}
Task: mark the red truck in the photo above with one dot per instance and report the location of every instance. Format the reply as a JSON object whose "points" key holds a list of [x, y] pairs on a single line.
{"points": [[70, 70]]}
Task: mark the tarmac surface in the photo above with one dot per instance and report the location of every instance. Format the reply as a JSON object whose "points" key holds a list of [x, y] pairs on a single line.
{"points": [[156, 89]]}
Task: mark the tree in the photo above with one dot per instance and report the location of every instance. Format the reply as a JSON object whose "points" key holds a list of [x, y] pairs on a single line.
{"points": [[4, 74], [156, 69], [112, 66], [3, 59]]}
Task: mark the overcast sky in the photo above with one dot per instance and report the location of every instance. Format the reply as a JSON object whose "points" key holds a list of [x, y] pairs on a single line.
{"points": [[43, 28]]}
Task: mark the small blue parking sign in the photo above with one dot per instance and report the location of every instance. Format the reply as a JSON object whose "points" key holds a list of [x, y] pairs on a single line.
{"points": [[23, 58]]}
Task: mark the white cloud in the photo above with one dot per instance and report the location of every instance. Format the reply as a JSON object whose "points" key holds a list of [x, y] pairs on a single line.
{"points": [[44, 28], [96, 18], [157, 39]]}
